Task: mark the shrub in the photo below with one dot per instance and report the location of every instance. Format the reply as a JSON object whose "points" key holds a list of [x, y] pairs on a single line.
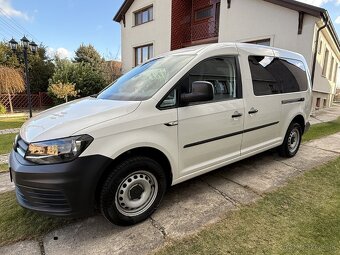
{"points": [[3, 109], [63, 90]]}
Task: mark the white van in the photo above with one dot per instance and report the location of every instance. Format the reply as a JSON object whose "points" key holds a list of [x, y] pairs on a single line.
{"points": [[175, 117]]}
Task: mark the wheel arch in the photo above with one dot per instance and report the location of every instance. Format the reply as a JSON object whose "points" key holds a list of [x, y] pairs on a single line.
{"points": [[147, 151], [300, 120]]}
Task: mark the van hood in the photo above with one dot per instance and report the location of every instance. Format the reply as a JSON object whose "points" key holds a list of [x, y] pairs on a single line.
{"points": [[67, 119]]}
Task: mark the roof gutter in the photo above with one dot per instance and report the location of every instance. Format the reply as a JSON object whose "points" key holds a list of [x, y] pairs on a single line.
{"points": [[316, 48]]}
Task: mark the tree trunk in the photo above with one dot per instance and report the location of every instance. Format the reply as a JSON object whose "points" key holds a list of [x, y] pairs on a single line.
{"points": [[10, 102]]}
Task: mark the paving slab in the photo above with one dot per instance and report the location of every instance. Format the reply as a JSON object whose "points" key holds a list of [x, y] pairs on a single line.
{"points": [[260, 173], [9, 131], [5, 183], [329, 143], [190, 206], [4, 158], [235, 192], [95, 235], [309, 156], [21, 248], [325, 115]]}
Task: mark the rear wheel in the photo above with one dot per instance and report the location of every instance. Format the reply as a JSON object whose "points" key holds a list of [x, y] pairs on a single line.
{"points": [[133, 191], [292, 141]]}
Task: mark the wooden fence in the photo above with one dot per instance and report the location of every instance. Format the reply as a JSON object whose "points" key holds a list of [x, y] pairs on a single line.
{"points": [[20, 101]]}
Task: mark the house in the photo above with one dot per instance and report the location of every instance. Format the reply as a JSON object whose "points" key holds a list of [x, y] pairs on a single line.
{"points": [[112, 70], [152, 27]]}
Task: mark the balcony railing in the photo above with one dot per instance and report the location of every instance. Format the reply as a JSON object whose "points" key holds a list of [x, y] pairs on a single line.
{"points": [[201, 31]]}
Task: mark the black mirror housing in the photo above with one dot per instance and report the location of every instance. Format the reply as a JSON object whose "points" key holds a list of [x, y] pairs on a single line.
{"points": [[201, 91]]}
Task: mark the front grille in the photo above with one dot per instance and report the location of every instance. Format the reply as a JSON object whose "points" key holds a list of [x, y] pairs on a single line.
{"points": [[21, 147], [43, 199]]}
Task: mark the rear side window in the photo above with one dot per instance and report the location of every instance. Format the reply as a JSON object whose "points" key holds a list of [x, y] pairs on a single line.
{"points": [[220, 71], [272, 75]]}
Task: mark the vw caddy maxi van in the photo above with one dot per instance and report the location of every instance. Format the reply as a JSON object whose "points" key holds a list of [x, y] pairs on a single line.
{"points": [[175, 117]]}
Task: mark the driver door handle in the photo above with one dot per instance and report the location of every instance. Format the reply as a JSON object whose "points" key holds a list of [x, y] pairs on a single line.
{"points": [[236, 114]]}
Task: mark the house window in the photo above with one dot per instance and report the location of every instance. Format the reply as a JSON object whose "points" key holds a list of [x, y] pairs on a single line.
{"points": [[325, 63], [318, 102], [204, 13], [265, 42], [144, 16], [325, 103], [143, 53], [331, 69], [335, 72], [320, 47]]}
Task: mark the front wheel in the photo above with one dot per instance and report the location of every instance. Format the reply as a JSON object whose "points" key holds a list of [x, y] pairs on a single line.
{"points": [[292, 141], [133, 191]]}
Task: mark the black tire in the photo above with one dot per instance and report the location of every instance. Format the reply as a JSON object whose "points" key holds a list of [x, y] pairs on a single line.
{"points": [[294, 131], [131, 182]]}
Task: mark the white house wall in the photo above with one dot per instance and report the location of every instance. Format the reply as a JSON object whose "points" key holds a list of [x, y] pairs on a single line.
{"points": [[249, 20], [157, 32]]}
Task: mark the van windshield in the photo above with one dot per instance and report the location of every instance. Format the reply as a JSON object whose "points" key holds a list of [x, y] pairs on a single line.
{"points": [[144, 81]]}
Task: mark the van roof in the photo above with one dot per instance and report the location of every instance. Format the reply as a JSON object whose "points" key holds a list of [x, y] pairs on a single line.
{"points": [[200, 49]]}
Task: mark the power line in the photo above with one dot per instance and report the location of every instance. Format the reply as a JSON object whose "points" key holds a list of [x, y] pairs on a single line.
{"points": [[18, 25], [10, 27], [5, 32], [4, 37]]}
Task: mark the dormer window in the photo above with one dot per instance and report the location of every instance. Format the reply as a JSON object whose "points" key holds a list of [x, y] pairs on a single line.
{"points": [[143, 16]]}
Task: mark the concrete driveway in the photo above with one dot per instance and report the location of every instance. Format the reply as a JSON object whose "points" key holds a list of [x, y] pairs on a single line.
{"points": [[187, 207]]}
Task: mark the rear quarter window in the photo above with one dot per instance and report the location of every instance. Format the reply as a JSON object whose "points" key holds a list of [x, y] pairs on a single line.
{"points": [[271, 75]]}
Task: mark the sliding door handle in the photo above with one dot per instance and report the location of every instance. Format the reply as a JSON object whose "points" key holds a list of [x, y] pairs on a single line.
{"points": [[253, 110], [236, 114], [171, 124]]}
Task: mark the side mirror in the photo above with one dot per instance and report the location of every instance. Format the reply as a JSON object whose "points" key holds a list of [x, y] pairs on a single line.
{"points": [[201, 91]]}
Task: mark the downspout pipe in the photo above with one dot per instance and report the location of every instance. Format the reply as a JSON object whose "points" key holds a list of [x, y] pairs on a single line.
{"points": [[316, 49]]}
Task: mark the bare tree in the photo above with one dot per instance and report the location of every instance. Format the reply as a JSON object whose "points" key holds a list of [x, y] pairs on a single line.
{"points": [[11, 81]]}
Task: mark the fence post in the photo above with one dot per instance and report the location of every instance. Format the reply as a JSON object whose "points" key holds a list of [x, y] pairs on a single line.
{"points": [[40, 101]]}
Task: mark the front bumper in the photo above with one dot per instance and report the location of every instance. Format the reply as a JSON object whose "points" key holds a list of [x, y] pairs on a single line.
{"points": [[66, 189]]}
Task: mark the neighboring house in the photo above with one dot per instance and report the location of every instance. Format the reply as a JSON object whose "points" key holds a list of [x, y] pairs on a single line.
{"points": [[152, 27], [113, 69], [337, 95]]}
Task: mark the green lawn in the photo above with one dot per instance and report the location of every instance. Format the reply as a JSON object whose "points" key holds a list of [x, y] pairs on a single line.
{"points": [[321, 130], [18, 224], [3, 168], [12, 122], [300, 218], [6, 143]]}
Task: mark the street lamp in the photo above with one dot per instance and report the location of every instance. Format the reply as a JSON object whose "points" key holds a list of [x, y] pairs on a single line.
{"points": [[26, 44]]}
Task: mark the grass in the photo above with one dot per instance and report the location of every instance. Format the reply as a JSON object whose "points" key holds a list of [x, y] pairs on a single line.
{"points": [[11, 122], [18, 224], [3, 168], [322, 129], [6, 143], [300, 218]]}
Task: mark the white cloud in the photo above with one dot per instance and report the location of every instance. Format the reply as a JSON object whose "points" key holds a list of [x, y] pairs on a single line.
{"points": [[60, 52], [6, 6], [337, 20]]}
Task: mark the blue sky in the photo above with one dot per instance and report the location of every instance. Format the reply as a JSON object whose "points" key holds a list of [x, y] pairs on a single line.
{"points": [[62, 25]]}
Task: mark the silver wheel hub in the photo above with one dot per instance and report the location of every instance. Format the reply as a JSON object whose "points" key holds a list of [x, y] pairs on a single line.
{"points": [[293, 140], [136, 193]]}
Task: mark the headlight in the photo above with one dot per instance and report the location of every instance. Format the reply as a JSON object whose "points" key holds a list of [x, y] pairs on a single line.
{"points": [[58, 150]]}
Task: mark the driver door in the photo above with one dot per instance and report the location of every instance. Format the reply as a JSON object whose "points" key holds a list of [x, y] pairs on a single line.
{"points": [[210, 133]]}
